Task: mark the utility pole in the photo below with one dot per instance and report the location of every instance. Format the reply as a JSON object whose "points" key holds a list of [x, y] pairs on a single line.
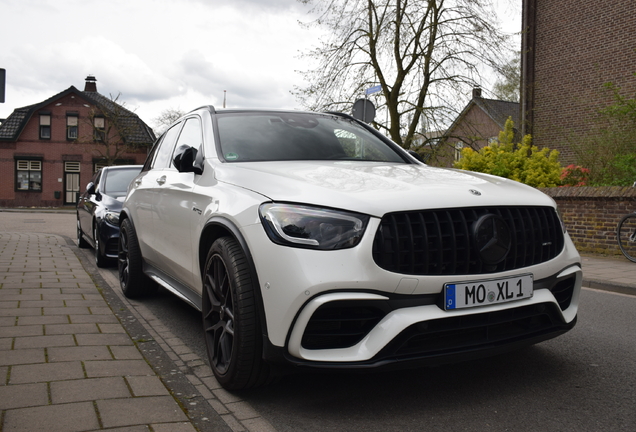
{"points": [[3, 84]]}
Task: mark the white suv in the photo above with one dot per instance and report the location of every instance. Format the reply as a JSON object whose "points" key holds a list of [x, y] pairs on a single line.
{"points": [[309, 239]]}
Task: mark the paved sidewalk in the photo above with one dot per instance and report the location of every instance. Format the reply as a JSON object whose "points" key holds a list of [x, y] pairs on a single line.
{"points": [[616, 274], [66, 361]]}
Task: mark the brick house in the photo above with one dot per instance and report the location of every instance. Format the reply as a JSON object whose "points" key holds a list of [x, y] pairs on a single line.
{"points": [[50, 150], [570, 48], [476, 126]]}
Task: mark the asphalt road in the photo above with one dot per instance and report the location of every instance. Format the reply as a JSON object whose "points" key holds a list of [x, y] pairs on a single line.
{"points": [[584, 380]]}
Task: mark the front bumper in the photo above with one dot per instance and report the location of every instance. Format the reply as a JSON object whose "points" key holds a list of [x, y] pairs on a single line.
{"points": [[330, 309]]}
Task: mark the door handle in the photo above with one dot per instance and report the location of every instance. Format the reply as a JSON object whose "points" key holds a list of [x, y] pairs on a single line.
{"points": [[161, 180]]}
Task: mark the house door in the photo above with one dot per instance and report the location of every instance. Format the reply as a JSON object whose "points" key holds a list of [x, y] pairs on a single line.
{"points": [[71, 182]]}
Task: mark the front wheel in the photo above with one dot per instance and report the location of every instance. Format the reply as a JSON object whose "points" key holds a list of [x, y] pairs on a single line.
{"points": [[230, 318], [100, 259], [626, 233]]}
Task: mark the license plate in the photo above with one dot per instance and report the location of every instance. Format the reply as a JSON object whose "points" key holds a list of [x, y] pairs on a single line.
{"points": [[463, 295]]}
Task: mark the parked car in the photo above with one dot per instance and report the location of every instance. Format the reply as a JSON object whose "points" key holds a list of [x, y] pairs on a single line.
{"points": [[311, 240], [98, 211]]}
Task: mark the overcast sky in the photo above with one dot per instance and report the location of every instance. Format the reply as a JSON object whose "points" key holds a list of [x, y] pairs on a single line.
{"points": [[157, 54]]}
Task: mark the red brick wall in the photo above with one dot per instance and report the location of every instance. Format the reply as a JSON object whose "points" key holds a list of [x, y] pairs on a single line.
{"points": [[580, 45], [592, 214], [54, 152]]}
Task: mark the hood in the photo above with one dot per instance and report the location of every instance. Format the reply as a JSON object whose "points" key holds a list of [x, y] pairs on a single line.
{"points": [[376, 188], [113, 202]]}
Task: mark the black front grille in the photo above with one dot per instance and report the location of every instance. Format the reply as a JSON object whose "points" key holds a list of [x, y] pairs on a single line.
{"points": [[440, 242]]}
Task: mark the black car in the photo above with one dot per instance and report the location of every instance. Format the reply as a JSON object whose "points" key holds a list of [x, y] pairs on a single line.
{"points": [[98, 211]]}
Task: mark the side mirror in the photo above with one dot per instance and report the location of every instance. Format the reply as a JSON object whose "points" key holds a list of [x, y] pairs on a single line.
{"points": [[90, 188], [184, 159], [416, 155]]}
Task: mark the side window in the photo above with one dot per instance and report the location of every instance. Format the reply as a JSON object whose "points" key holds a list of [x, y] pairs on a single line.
{"points": [[190, 135], [165, 148]]}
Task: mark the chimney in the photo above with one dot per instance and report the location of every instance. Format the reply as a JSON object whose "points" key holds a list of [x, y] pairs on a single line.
{"points": [[91, 85], [476, 92]]}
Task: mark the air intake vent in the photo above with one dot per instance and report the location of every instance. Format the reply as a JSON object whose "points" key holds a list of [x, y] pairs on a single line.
{"points": [[441, 242]]}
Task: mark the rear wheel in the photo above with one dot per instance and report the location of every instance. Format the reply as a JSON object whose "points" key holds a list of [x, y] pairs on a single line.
{"points": [[81, 243], [626, 233], [230, 318], [134, 283]]}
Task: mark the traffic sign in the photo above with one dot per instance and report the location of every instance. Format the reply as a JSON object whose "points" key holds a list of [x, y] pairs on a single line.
{"points": [[372, 90]]}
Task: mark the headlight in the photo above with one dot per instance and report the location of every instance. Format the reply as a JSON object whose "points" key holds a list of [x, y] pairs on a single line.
{"points": [[112, 218], [312, 227]]}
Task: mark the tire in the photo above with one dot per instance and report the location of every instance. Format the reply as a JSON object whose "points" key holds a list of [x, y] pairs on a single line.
{"points": [[81, 243], [133, 282], [626, 233], [100, 259], [231, 323]]}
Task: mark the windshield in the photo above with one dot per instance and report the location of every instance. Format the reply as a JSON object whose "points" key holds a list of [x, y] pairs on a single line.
{"points": [[276, 136], [116, 181]]}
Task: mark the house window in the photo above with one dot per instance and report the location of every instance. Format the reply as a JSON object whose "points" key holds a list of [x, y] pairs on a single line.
{"points": [[28, 175], [99, 165], [458, 150], [72, 123], [45, 126], [99, 126]]}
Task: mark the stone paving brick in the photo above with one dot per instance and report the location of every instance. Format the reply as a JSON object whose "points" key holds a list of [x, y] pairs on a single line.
{"points": [[20, 312], [44, 372], [125, 352], [4, 375], [145, 410], [111, 328], [42, 303], [103, 339], [9, 304], [17, 331], [88, 390], [104, 368], [6, 343], [66, 310], [74, 417], [51, 319], [22, 357], [67, 329], [173, 427], [44, 341], [59, 354], [147, 386], [85, 303], [23, 395], [7, 321], [98, 319]]}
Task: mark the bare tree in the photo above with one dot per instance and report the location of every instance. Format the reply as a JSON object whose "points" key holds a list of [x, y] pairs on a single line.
{"points": [[166, 118], [425, 54], [115, 129], [507, 87]]}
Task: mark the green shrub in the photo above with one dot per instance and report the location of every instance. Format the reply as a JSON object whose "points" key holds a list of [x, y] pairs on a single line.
{"points": [[522, 162]]}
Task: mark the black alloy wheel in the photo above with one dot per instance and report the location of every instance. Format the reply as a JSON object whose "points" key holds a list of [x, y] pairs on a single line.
{"points": [[81, 243], [230, 318], [134, 283], [100, 259]]}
